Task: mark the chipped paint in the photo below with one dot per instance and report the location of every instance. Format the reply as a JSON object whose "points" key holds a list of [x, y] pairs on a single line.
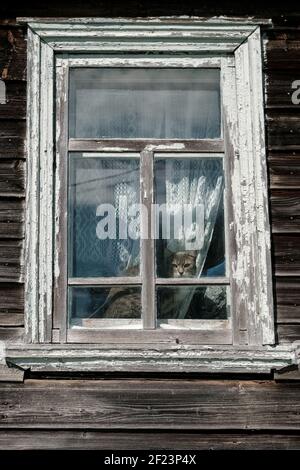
{"points": [[165, 357], [174, 147], [242, 99]]}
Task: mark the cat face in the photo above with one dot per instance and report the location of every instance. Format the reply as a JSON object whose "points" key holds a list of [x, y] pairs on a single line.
{"points": [[183, 264]]}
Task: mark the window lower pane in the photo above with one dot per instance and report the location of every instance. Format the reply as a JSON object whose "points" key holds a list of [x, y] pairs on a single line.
{"points": [[120, 302], [192, 303]]}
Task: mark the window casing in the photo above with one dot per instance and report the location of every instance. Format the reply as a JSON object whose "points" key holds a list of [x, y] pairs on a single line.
{"points": [[80, 45]]}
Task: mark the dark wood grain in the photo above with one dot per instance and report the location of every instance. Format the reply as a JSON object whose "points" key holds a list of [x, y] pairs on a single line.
{"points": [[12, 138], [288, 300], [284, 170], [12, 178], [151, 404], [285, 14], [15, 106], [283, 130], [286, 254], [11, 218], [12, 53], [11, 334], [283, 50], [11, 319], [11, 269], [288, 333], [279, 89], [101, 440], [285, 211]]}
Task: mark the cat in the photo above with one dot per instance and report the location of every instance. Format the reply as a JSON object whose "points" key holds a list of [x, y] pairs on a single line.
{"points": [[125, 302], [182, 264], [121, 301]]}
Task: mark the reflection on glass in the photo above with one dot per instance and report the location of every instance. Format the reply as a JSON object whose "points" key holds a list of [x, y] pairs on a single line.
{"points": [[105, 302], [192, 303], [145, 103], [101, 193], [190, 217]]}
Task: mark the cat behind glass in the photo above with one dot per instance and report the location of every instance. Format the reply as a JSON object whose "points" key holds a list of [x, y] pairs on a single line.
{"points": [[182, 264], [126, 302]]}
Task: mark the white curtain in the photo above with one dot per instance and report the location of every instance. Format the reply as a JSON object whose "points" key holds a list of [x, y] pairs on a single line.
{"points": [[195, 182]]}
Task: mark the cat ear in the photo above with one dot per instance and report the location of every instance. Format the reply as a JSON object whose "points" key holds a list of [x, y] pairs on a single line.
{"points": [[193, 253]]}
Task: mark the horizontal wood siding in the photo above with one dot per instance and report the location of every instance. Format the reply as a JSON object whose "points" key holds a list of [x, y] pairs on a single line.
{"points": [[144, 413], [142, 440], [282, 67], [139, 413], [12, 179]]}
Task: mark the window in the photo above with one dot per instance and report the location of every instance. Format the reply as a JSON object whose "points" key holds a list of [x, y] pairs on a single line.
{"points": [[147, 200], [178, 279]]}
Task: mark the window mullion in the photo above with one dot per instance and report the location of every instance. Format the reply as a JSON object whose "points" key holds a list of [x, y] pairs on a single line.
{"points": [[147, 242]]}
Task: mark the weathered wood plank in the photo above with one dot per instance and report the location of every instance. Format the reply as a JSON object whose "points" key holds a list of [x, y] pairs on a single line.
{"points": [[11, 319], [10, 334], [159, 145], [12, 53], [11, 300], [286, 254], [279, 91], [284, 170], [283, 131], [150, 404], [11, 218], [15, 106], [283, 50], [12, 178], [288, 300], [101, 440], [10, 374], [288, 333], [285, 211], [284, 15], [168, 336], [12, 138], [11, 261]]}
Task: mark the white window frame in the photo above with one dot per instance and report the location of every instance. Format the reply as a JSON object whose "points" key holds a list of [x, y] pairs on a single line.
{"points": [[53, 46]]}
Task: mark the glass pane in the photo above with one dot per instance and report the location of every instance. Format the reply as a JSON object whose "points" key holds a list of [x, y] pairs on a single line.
{"points": [[101, 192], [196, 303], [145, 103], [190, 217], [105, 302]]}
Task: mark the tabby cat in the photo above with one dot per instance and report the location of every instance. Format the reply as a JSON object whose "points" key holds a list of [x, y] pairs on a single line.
{"points": [[125, 302], [182, 264]]}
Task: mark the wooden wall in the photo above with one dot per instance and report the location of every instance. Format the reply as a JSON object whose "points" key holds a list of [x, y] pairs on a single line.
{"points": [[133, 413], [150, 414], [282, 67], [12, 177]]}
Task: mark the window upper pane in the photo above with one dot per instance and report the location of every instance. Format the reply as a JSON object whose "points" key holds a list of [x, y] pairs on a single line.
{"points": [[100, 190], [145, 103]]}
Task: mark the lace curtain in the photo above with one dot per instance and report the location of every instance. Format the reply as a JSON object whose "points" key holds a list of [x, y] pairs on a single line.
{"points": [[195, 182], [95, 182]]}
